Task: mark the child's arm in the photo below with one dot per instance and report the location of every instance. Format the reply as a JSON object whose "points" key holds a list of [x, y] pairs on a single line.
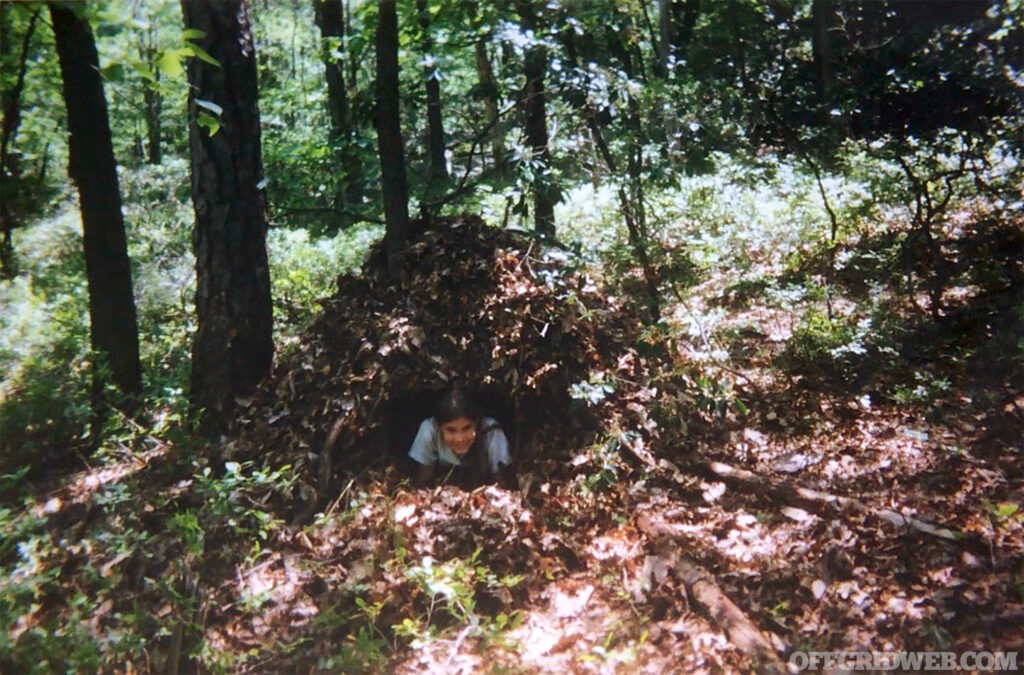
{"points": [[424, 453], [500, 459], [424, 475], [505, 477]]}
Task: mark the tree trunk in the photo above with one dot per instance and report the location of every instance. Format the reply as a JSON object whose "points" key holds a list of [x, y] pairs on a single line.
{"points": [[11, 99], [435, 127], [389, 138], [489, 92], [331, 21], [353, 66], [152, 101], [666, 33], [91, 166], [634, 213], [544, 193], [233, 347], [821, 14]]}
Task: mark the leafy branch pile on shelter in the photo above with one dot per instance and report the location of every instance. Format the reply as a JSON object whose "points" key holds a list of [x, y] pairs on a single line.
{"points": [[482, 307]]}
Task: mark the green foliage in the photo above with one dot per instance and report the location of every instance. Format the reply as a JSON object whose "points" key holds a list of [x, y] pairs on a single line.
{"points": [[593, 392], [303, 270], [453, 587], [1003, 514], [360, 653], [604, 462], [822, 342], [733, 141], [926, 388], [44, 352], [229, 500]]}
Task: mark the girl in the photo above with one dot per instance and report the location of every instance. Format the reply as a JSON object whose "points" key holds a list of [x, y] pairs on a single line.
{"points": [[460, 443]]}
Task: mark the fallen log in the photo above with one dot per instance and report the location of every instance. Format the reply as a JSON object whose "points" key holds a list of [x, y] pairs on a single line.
{"points": [[816, 500], [705, 594]]}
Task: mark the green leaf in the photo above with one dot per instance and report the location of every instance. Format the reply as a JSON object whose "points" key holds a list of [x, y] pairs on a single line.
{"points": [[192, 34], [170, 63], [195, 50], [144, 71], [114, 72], [209, 122]]}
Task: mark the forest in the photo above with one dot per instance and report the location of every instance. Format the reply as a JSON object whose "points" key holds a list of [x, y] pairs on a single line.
{"points": [[741, 284]]}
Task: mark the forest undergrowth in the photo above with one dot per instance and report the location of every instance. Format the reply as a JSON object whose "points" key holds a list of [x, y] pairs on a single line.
{"points": [[843, 465]]}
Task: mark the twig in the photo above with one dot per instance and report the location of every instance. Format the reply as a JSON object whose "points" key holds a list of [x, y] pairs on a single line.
{"points": [[334, 505], [817, 500], [458, 643], [704, 592]]}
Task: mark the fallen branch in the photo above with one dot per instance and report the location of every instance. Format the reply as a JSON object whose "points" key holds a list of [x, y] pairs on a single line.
{"points": [[704, 593], [816, 500]]}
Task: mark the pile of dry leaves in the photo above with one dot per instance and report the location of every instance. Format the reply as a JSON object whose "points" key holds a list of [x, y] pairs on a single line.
{"points": [[492, 310]]}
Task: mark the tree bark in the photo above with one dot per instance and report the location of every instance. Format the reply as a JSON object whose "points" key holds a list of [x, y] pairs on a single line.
{"points": [[489, 92], [630, 204], [353, 67], [537, 128], [91, 165], [12, 97], [435, 126], [704, 592], [152, 102], [820, 502], [331, 21], [233, 347], [676, 21], [12, 118], [822, 13], [634, 212], [389, 138]]}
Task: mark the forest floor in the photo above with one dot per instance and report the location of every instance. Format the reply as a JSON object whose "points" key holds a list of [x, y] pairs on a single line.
{"points": [[593, 590], [834, 522]]}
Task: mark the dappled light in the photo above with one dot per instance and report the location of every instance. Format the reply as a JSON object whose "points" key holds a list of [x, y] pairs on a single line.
{"points": [[531, 337]]}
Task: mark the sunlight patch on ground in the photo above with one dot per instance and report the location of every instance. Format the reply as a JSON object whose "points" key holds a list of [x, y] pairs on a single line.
{"points": [[82, 486]]}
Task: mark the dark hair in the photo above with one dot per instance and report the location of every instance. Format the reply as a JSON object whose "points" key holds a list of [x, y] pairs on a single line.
{"points": [[455, 403]]}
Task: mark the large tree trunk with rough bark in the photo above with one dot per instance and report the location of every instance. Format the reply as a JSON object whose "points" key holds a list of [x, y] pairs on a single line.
{"points": [[91, 166], [233, 346], [389, 138], [537, 126]]}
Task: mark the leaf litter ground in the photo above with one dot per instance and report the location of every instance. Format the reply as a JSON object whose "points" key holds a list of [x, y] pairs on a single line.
{"points": [[367, 573]]}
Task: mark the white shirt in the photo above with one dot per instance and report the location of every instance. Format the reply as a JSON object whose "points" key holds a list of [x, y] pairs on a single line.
{"points": [[429, 446]]}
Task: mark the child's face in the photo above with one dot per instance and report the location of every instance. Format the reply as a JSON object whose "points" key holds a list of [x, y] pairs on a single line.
{"points": [[459, 434]]}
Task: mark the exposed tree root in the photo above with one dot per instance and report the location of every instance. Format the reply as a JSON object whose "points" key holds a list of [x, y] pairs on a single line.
{"points": [[817, 501], [704, 593]]}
